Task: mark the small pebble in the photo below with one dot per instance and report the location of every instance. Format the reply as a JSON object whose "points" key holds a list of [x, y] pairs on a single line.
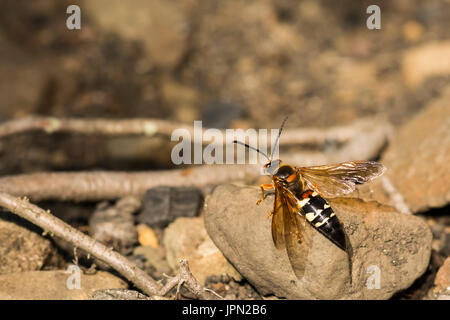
{"points": [[146, 236]]}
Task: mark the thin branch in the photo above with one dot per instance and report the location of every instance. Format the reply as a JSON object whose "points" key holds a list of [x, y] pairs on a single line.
{"points": [[366, 145], [57, 227], [150, 127], [101, 185], [186, 278], [98, 185], [338, 134], [170, 284], [110, 127]]}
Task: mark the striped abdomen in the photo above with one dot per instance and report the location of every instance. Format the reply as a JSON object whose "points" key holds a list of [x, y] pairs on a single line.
{"points": [[322, 217]]}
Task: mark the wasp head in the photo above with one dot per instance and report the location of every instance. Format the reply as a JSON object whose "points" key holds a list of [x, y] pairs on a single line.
{"points": [[272, 166]]}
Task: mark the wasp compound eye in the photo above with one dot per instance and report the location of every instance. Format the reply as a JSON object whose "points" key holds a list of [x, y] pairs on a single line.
{"points": [[272, 166]]}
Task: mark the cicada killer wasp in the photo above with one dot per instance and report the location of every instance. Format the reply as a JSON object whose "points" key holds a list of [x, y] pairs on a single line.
{"points": [[300, 194]]}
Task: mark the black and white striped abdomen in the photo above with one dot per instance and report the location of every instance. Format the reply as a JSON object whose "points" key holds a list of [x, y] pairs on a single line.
{"points": [[321, 216]]}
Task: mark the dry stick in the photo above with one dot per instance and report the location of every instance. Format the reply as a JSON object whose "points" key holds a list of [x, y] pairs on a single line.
{"points": [[138, 277], [100, 185], [151, 127], [110, 127], [53, 225], [185, 277]]}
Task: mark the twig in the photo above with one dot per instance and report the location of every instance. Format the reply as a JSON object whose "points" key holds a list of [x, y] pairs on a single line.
{"points": [[151, 127], [57, 227], [146, 127], [101, 185], [338, 134], [138, 277], [366, 145], [186, 278], [193, 285]]}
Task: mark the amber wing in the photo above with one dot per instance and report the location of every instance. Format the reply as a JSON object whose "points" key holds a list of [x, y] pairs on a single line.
{"points": [[339, 179], [290, 230], [278, 219]]}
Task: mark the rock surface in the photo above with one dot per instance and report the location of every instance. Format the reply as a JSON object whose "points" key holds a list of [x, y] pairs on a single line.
{"points": [[20, 248], [417, 162], [52, 285], [398, 245], [187, 238], [443, 275], [426, 61], [441, 288], [418, 157]]}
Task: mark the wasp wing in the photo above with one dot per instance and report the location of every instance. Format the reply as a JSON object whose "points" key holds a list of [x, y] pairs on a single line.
{"points": [[277, 219], [297, 233], [339, 179]]}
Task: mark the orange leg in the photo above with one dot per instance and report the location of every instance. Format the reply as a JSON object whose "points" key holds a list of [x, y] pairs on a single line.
{"points": [[271, 213], [264, 187]]}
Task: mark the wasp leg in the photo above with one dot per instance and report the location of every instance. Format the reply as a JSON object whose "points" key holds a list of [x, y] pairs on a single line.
{"points": [[273, 211], [264, 187]]}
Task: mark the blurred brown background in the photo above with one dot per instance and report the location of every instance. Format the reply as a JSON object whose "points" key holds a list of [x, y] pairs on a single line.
{"points": [[230, 63]]}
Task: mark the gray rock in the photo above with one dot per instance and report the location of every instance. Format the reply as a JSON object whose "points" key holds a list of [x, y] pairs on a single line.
{"points": [[418, 157], [162, 205], [396, 244], [22, 249], [417, 161]]}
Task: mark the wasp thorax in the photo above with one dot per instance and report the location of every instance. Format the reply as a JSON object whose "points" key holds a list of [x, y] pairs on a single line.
{"points": [[284, 172]]}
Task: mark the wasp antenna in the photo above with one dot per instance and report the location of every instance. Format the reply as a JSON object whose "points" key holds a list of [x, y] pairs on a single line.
{"points": [[257, 150], [278, 137]]}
